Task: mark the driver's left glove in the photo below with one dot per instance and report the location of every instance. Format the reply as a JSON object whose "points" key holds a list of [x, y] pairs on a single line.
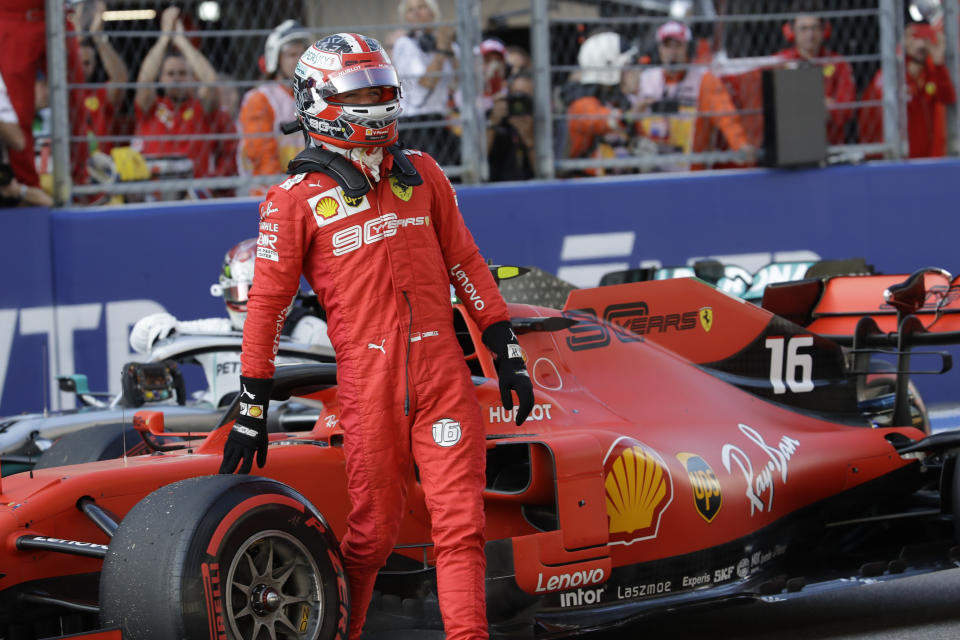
{"points": [[511, 368], [249, 432]]}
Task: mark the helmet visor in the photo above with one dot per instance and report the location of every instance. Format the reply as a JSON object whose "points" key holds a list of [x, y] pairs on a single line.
{"points": [[235, 292], [360, 78]]}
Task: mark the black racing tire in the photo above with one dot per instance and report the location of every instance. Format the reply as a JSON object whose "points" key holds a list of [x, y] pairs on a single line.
{"points": [[102, 442], [225, 557]]}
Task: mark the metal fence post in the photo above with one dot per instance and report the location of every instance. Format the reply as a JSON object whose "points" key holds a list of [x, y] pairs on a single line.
{"points": [[472, 149], [951, 32], [59, 112], [542, 98], [893, 78]]}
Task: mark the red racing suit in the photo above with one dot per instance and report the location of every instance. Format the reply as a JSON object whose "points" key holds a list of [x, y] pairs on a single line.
{"points": [[382, 266]]}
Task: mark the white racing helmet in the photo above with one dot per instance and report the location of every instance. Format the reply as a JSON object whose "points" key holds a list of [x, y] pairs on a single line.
{"points": [[236, 278], [286, 31], [602, 56]]}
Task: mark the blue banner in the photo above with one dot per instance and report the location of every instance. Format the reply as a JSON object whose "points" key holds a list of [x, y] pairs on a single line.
{"points": [[77, 279]]}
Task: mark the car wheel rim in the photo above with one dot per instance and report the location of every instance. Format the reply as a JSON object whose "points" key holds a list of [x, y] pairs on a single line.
{"points": [[275, 589]]}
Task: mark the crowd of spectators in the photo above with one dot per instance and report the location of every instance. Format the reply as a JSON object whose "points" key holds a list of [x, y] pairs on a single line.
{"points": [[189, 120]]}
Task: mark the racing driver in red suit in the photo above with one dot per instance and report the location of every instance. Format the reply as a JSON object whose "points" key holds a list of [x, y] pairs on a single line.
{"points": [[382, 263]]}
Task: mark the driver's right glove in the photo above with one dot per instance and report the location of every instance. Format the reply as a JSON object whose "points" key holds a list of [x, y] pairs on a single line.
{"points": [[249, 432]]}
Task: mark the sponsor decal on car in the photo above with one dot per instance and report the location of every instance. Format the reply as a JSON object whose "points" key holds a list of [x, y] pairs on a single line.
{"points": [[565, 581], [639, 489], [706, 318], [644, 590], [499, 415], [707, 495], [760, 480]]}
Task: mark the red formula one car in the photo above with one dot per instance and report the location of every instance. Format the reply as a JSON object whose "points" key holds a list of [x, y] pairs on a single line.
{"points": [[685, 448]]}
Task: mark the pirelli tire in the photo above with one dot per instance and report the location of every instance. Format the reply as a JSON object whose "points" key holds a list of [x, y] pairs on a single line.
{"points": [[225, 557]]}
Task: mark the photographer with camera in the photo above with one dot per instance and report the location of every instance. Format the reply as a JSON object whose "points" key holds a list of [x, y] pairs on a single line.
{"points": [[510, 132], [426, 61]]}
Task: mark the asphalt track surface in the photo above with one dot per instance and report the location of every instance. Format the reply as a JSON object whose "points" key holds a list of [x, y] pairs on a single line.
{"points": [[925, 607]]}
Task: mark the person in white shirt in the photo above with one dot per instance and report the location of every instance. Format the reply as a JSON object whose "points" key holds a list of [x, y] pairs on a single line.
{"points": [[426, 61], [13, 192]]}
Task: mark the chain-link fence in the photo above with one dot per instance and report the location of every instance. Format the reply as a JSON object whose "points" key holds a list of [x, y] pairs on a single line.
{"points": [[152, 101]]}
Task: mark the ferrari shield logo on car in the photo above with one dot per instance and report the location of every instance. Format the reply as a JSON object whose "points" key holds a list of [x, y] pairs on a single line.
{"points": [[639, 489], [706, 318], [402, 191], [707, 496]]}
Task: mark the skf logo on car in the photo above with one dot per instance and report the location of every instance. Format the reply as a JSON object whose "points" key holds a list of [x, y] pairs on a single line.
{"points": [[446, 432], [706, 318], [704, 483], [760, 482], [468, 287], [639, 489], [402, 191], [498, 414], [564, 581]]}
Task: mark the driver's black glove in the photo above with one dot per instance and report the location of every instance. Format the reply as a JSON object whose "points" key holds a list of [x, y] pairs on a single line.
{"points": [[249, 433], [511, 368]]}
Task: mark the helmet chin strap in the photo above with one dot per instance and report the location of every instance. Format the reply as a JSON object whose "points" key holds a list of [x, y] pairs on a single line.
{"points": [[368, 159]]}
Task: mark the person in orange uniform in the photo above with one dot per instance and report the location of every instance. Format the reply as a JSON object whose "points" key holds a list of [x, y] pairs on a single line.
{"points": [[930, 91], [180, 111], [265, 149], [808, 33], [598, 118]]}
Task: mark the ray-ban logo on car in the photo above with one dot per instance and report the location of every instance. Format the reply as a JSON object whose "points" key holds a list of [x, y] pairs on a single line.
{"points": [[446, 432], [762, 480]]}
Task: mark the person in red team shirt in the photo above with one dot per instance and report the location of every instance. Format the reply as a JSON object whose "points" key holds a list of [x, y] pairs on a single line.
{"points": [[381, 259], [100, 104], [180, 111], [808, 33], [23, 38], [930, 91]]}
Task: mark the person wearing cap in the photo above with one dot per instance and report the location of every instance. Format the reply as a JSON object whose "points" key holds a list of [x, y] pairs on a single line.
{"points": [[671, 95], [807, 33], [929, 92], [266, 150]]}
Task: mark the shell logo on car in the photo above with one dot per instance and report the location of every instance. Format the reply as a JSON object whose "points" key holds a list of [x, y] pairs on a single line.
{"points": [[639, 489]]}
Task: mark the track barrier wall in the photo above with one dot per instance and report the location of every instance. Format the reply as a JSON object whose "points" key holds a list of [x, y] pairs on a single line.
{"points": [[77, 279]]}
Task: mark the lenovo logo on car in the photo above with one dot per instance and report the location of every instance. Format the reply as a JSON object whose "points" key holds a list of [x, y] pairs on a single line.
{"points": [[566, 581]]}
